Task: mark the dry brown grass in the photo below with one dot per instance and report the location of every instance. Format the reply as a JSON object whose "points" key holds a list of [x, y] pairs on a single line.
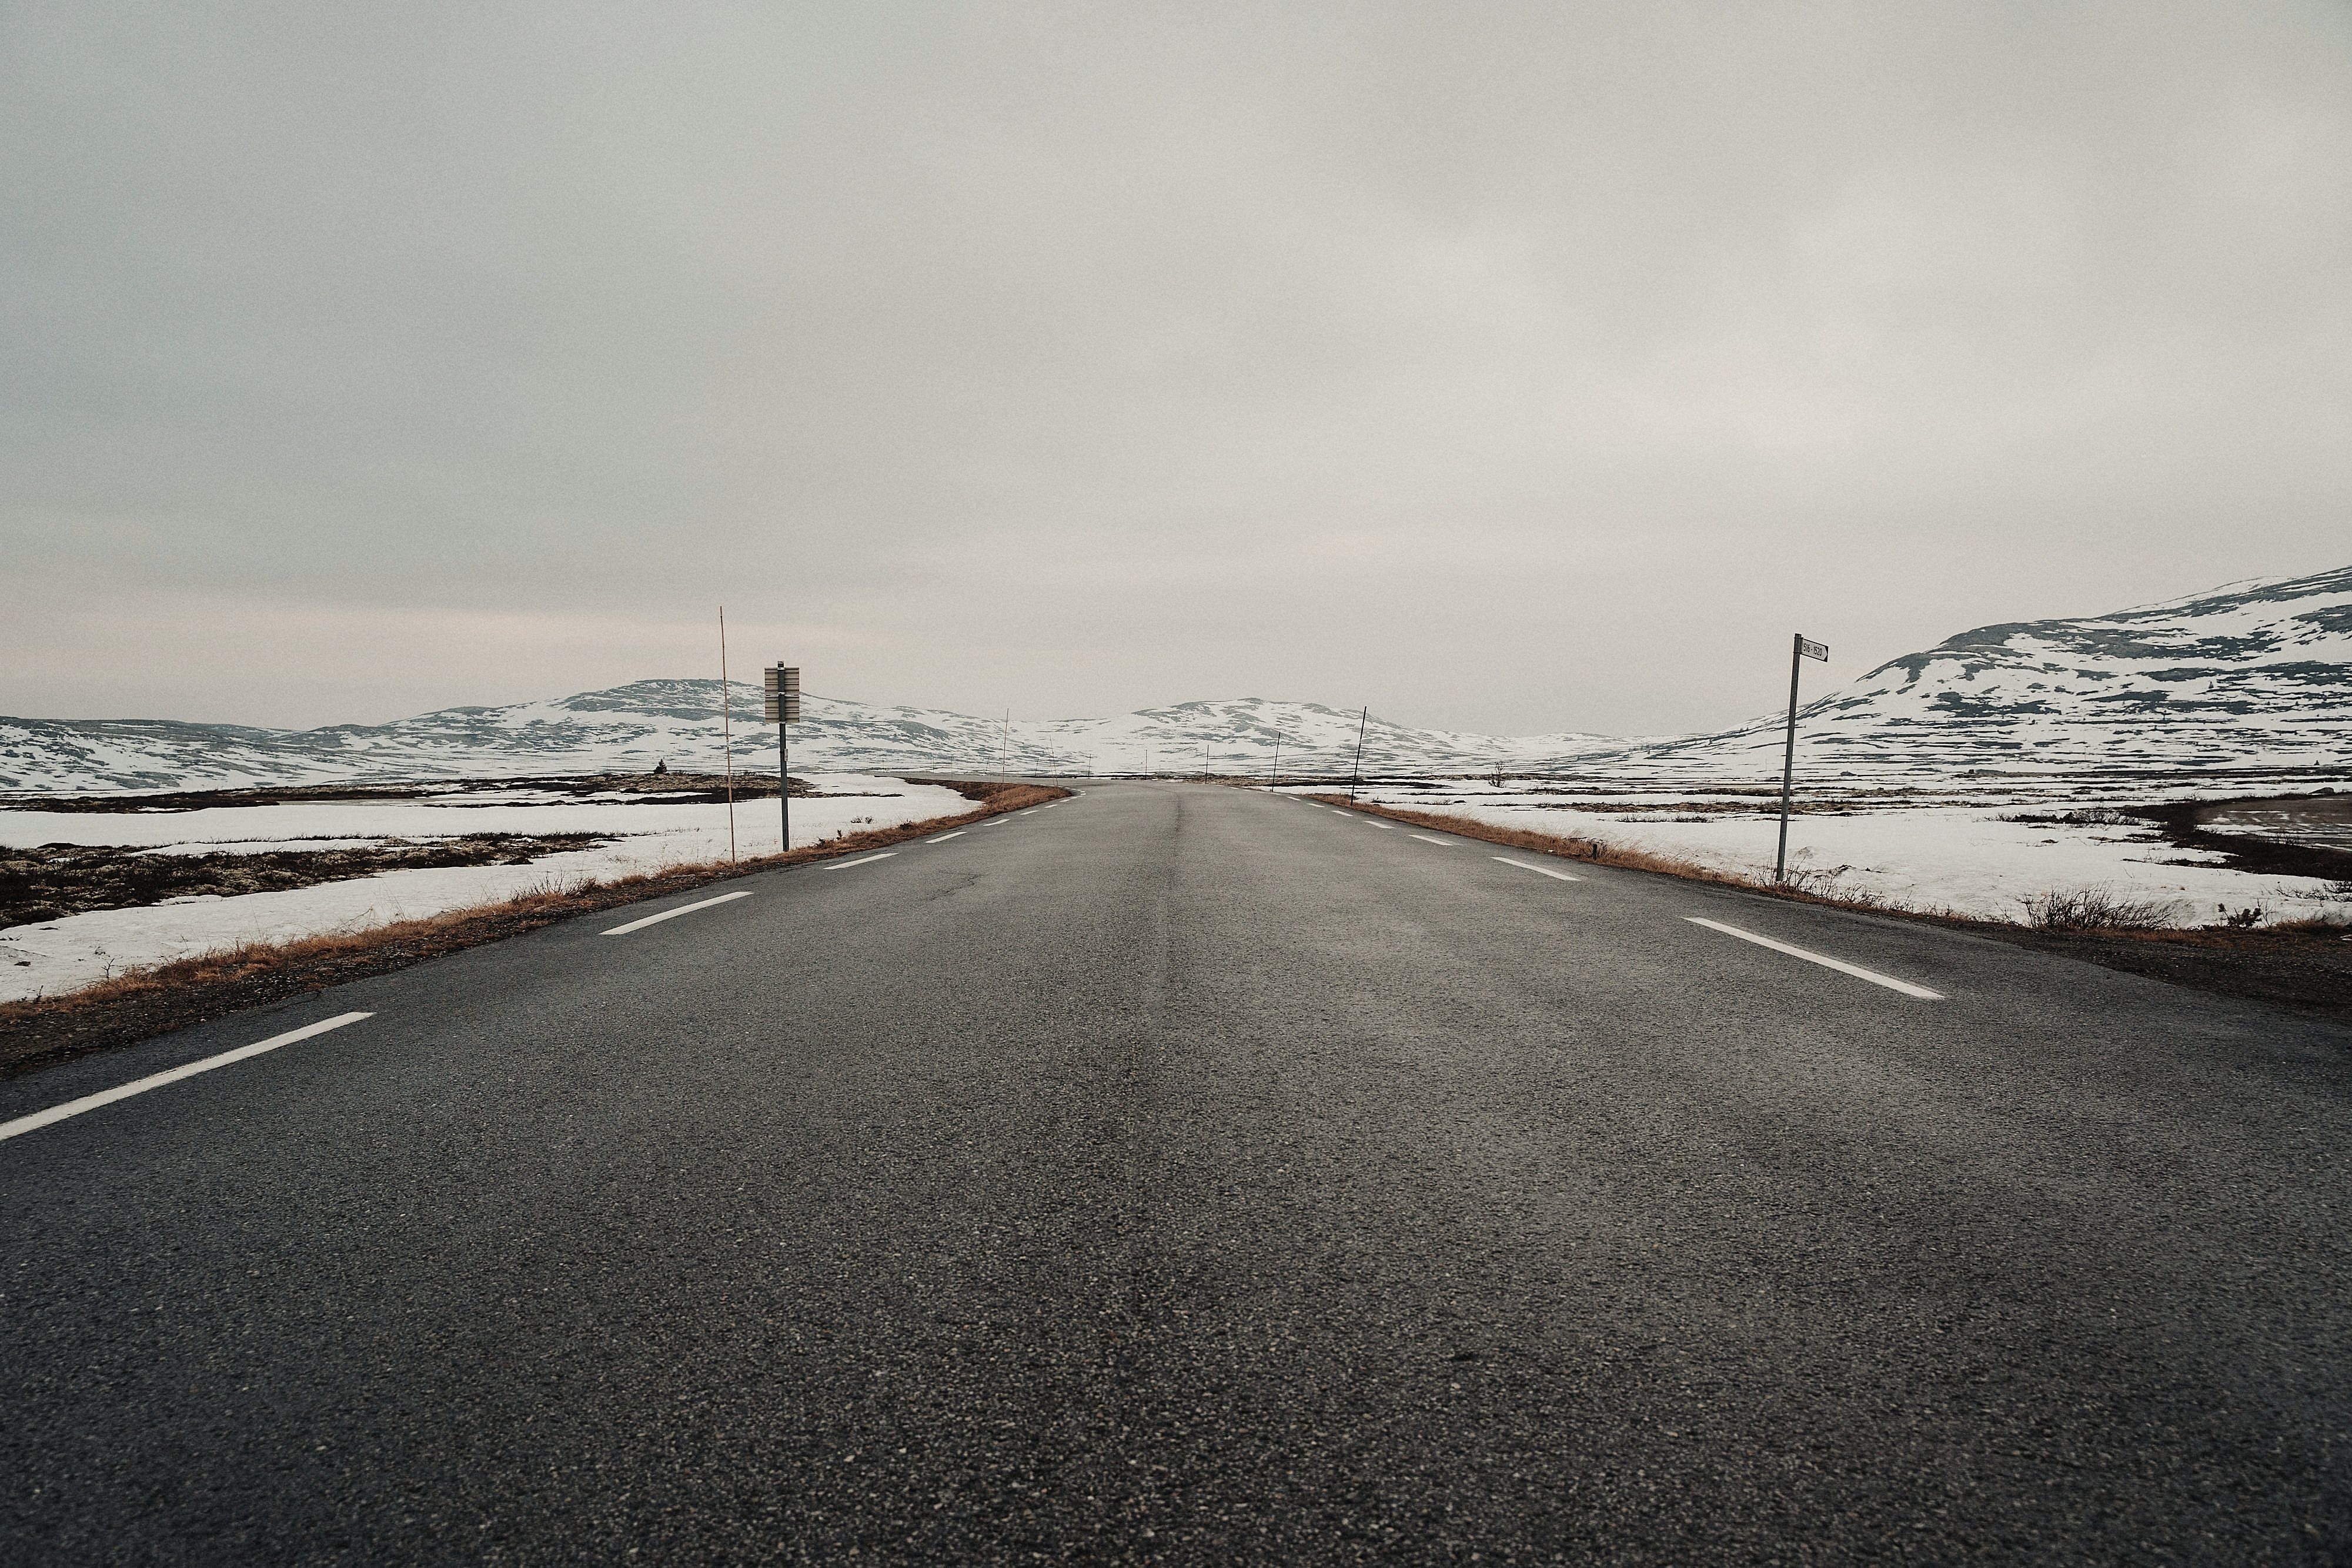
{"points": [[1567, 846], [142, 1002]]}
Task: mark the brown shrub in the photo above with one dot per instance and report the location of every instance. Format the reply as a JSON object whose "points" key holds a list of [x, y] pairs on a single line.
{"points": [[2098, 909]]}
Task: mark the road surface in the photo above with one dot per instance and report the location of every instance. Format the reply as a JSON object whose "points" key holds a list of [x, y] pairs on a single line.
{"points": [[1187, 1175]]}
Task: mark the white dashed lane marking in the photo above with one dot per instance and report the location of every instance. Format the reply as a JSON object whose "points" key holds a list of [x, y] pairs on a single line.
{"points": [[38, 1119], [1840, 965], [674, 914], [1539, 870], [865, 860]]}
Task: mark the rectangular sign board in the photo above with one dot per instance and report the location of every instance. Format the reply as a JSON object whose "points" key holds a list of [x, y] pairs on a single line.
{"points": [[1812, 650], [783, 693]]}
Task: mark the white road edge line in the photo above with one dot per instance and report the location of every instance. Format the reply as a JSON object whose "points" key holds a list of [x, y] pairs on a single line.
{"points": [[1539, 870], [943, 838], [40, 1119], [1384, 827], [864, 860], [674, 914], [1425, 839], [1841, 966]]}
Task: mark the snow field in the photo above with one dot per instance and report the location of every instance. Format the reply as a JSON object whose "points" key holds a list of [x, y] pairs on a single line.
{"points": [[64, 955], [1961, 858]]}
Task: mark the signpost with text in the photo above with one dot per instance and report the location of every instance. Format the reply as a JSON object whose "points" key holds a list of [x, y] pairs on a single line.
{"points": [[1804, 650], [784, 693]]}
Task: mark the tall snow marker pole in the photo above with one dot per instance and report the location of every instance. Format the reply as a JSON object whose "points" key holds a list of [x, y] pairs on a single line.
{"points": [[1277, 757], [1798, 652], [726, 733], [1356, 774]]}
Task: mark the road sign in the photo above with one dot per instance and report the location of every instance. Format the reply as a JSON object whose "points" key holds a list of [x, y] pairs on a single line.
{"points": [[1812, 650], [783, 693]]}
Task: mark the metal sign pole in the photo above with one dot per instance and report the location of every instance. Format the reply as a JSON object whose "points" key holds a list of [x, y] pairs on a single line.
{"points": [[783, 683], [1356, 775], [1800, 651]]}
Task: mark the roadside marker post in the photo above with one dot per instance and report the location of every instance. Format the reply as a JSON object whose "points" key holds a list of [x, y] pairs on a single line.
{"points": [[1356, 774], [784, 693], [1803, 650]]}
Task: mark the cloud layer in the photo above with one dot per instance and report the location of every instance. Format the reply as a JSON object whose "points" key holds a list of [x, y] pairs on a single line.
{"points": [[1509, 368]]}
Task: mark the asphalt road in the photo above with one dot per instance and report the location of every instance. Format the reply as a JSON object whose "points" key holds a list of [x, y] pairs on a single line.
{"points": [[1181, 1174]]}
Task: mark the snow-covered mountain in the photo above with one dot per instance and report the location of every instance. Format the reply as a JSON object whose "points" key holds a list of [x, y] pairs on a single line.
{"points": [[2256, 675], [679, 721], [2251, 675]]}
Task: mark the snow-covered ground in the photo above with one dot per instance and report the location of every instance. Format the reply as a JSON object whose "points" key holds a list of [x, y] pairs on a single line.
{"points": [[48, 959], [1927, 854]]}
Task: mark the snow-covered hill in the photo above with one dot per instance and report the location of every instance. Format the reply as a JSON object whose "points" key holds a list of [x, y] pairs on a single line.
{"points": [[2253, 675], [679, 721]]}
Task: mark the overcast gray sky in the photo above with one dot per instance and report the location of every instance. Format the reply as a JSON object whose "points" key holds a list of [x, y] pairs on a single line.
{"points": [[1508, 368]]}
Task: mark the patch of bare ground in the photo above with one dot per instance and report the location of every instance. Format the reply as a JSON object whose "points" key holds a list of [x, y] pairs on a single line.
{"points": [[2304, 964], [142, 1003], [2276, 835], [656, 788], [53, 881]]}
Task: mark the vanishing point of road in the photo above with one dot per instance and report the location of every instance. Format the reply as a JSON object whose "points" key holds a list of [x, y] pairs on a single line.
{"points": [[1185, 1175]]}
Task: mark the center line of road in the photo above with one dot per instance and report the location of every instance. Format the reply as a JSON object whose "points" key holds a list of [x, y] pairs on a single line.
{"points": [[867, 860], [1539, 870], [23, 1124], [943, 838], [1843, 967], [1425, 839], [673, 914]]}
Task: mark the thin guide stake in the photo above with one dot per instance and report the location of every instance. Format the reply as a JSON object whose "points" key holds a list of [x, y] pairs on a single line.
{"points": [[726, 732]]}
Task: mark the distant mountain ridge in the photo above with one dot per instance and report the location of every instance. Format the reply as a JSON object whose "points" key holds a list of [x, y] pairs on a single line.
{"points": [[634, 726], [2254, 674]]}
